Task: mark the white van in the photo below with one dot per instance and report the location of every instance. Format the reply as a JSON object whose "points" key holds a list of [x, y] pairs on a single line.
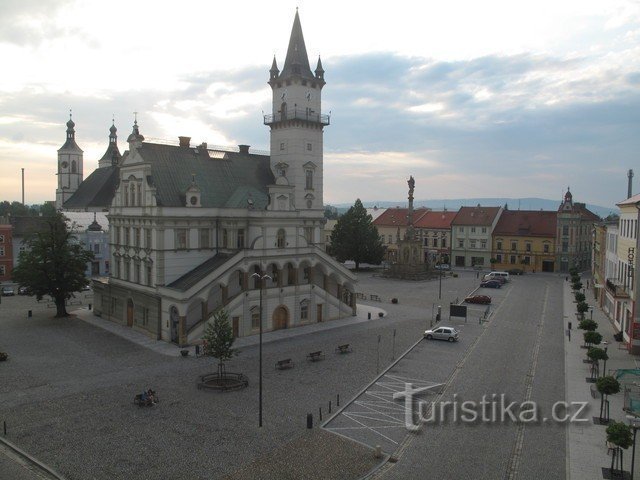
{"points": [[492, 275]]}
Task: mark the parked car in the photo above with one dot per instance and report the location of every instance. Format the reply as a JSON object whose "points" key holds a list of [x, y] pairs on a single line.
{"points": [[492, 275], [515, 271], [8, 292], [483, 299], [23, 291], [442, 333], [487, 278], [491, 284]]}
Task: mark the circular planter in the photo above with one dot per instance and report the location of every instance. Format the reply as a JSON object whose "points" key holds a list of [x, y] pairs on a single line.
{"points": [[223, 382]]}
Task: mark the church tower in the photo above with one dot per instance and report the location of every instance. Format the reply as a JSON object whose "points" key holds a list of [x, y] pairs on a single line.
{"points": [[69, 166], [296, 126], [112, 156]]}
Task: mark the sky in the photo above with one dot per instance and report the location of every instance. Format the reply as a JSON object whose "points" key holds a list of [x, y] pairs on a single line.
{"points": [[474, 99]]}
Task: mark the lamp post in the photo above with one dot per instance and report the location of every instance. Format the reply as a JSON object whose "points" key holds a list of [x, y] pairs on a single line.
{"points": [[260, 277], [634, 423]]}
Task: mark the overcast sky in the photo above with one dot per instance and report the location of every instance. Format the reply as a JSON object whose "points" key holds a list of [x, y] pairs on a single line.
{"points": [[474, 99]]}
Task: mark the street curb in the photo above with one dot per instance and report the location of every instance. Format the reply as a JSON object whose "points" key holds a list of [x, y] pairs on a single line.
{"points": [[32, 460]]}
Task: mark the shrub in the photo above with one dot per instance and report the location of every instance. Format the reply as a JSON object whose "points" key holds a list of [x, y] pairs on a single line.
{"points": [[592, 338], [596, 354], [394, 300], [577, 285], [582, 307], [588, 325], [619, 433], [381, 314], [3, 356], [580, 297]]}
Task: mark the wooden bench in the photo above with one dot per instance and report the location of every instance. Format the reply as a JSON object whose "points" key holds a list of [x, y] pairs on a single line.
{"points": [[283, 364], [315, 356], [374, 297], [346, 348]]}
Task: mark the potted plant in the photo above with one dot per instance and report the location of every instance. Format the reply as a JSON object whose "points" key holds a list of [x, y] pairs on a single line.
{"points": [[619, 435], [606, 385]]}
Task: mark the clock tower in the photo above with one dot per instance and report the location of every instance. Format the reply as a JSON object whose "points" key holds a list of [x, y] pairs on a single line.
{"points": [[69, 166], [297, 125]]}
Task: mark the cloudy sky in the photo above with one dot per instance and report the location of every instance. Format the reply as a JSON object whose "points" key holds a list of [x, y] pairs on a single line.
{"points": [[474, 99]]}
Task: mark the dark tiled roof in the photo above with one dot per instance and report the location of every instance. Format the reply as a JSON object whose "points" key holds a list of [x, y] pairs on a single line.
{"points": [[96, 190], [397, 217], [297, 61], [228, 181], [432, 219], [192, 277], [532, 223], [475, 215]]}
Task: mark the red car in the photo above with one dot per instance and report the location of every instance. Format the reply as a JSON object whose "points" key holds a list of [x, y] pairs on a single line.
{"points": [[484, 299]]}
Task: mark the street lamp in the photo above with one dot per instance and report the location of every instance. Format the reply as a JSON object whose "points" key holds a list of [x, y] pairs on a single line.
{"points": [[634, 423], [260, 277]]}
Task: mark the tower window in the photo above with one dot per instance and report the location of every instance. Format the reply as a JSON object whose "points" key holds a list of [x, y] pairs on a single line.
{"points": [[309, 147], [73, 167], [309, 179], [281, 145], [280, 239]]}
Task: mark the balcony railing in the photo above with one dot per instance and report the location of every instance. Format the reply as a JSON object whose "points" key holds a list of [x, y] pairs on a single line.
{"points": [[616, 288], [295, 114]]}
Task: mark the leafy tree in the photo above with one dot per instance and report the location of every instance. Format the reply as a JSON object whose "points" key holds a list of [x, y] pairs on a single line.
{"points": [[580, 297], [53, 263], [595, 354], [588, 325], [582, 307], [356, 238], [619, 434], [218, 337], [592, 338], [607, 385], [577, 285]]}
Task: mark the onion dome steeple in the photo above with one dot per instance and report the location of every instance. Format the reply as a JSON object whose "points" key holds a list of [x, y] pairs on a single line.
{"points": [[135, 139], [112, 156], [70, 143], [297, 61]]}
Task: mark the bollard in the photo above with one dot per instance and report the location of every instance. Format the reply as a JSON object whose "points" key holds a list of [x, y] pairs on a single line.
{"points": [[320, 410], [569, 325], [4, 426], [197, 350], [309, 420], [338, 400], [329, 406], [369, 316], [377, 453], [89, 306], [29, 314]]}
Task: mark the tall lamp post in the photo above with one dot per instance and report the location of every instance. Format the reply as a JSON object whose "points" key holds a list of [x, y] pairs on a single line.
{"points": [[634, 423], [261, 277]]}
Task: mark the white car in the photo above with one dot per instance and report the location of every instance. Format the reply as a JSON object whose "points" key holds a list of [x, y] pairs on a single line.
{"points": [[442, 333]]}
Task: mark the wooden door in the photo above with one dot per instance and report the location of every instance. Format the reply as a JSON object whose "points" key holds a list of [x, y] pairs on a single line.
{"points": [[129, 313], [280, 318], [236, 327], [319, 312]]}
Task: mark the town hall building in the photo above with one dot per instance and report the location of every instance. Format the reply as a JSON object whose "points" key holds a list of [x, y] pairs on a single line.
{"points": [[193, 228]]}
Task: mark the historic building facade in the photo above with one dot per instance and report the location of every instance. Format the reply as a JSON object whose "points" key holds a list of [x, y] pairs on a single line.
{"points": [[193, 228], [574, 235], [471, 231]]}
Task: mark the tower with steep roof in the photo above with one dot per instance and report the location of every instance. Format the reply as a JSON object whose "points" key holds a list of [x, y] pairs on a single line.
{"points": [[112, 156], [70, 168], [296, 124]]}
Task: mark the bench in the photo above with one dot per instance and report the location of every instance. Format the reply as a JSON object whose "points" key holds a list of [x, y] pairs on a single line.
{"points": [[315, 356], [283, 364], [374, 297], [346, 348]]}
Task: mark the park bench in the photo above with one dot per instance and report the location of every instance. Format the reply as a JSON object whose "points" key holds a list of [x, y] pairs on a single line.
{"points": [[346, 348], [374, 297], [283, 364], [315, 356]]}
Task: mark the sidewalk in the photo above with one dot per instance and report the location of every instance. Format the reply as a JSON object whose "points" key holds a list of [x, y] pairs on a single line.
{"points": [[586, 449], [172, 350]]}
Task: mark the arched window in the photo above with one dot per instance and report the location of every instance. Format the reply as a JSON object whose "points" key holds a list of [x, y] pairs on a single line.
{"points": [[281, 239], [139, 188], [283, 110], [255, 318], [74, 168], [132, 198], [125, 193]]}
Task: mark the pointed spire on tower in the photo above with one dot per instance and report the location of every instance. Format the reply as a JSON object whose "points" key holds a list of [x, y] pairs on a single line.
{"points": [[319, 70], [297, 61], [273, 73]]}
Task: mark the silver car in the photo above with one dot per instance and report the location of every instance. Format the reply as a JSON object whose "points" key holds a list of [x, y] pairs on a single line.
{"points": [[442, 333]]}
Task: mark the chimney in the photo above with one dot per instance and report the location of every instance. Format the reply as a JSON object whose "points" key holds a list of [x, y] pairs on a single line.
{"points": [[203, 145], [629, 187], [184, 141], [244, 149]]}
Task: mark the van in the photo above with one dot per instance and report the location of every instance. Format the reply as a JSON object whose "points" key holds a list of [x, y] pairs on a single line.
{"points": [[492, 275]]}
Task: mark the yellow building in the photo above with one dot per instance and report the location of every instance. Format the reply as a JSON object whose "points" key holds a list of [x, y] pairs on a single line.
{"points": [[524, 239]]}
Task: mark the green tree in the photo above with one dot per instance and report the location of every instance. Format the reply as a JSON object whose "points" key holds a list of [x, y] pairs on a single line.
{"points": [[580, 297], [218, 337], [588, 325], [592, 338], [577, 285], [619, 434], [582, 307], [606, 385], [53, 263], [356, 238]]}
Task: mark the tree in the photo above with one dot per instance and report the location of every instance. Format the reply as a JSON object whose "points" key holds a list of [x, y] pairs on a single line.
{"points": [[580, 297], [606, 385], [595, 354], [218, 337], [577, 285], [356, 238], [619, 434], [582, 307], [588, 325], [592, 338], [53, 263]]}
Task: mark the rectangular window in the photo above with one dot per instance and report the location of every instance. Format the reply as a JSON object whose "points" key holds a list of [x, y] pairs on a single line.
{"points": [[545, 248], [461, 229], [106, 267], [304, 311], [96, 248], [527, 260], [255, 319], [565, 246], [499, 245], [240, 243], [181, 238], [204, 238], [309, 179], [460, 243], [483, 244], [308, 147], [136, 237], [484, 229], [1, 251], [149, 275], [136, 273], [514, 245], [527, 247], [435, 242], [126, 270], [499, 258], [472, 243], [147, 238], [473, 229], [443, 243], [281, 145], [116, 271], [225, 238], [1, 238], [512, 259], [565, 230], [308, 234]]}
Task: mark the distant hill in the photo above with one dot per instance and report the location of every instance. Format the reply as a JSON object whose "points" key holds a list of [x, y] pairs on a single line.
{"points": [[456, 203]]}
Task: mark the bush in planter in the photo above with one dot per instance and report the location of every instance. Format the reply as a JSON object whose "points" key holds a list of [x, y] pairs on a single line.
{"points": [[582, 307], [580, 297], [3, 356], [592, 338], [394, 300], [381, 314], [619, 434], [588, 325]]}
